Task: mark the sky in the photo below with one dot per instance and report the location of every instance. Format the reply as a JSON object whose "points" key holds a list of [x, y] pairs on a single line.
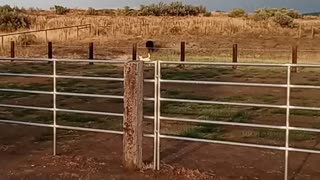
{"points": [[224, 5]]}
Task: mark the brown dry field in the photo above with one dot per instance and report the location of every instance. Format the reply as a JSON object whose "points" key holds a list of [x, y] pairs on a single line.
{"points": [[25, 152]]}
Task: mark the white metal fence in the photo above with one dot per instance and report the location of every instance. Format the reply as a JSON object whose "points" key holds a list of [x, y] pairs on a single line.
{"points": [[158, 81]]}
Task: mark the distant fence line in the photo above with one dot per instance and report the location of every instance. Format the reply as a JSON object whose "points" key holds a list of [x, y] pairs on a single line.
{"points": [[182, 51], [79, 27]]}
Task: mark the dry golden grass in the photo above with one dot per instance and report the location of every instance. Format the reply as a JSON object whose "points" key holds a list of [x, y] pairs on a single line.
{"points": [[208, 38]]}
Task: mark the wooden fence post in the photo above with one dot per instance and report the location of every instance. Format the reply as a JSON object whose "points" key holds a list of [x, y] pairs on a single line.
{"points": [[235, 55], [77, 32], [133, 115], [294, 57], [49, 51], [312, 32], [183, 52], [134, 51], [2, 42], [12, 50], [91, 52]]}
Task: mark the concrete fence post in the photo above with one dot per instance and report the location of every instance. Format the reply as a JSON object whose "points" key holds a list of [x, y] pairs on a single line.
{"points": [[133, 115]]}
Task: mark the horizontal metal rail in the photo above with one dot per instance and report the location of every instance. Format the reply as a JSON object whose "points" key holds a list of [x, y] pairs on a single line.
{"points": [[65, 60], [26, 75], [223, 103], [305, 86], [304, 129], [226, 64], [221, 123], [305, 108], [25, 59], [89, 78], [26, 107], [89, 95], [26, 123], [88, 129], [241, 144], [26, 91], [223, 142], [223, 83], [90, 112]]}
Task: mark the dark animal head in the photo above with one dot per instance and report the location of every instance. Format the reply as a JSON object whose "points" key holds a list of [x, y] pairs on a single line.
{"points": [[150, 46]]}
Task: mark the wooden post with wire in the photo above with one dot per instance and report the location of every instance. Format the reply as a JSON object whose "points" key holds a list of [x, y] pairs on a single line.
{"points": [[12, 50], [50, 51], [134, 51], [91, 55], [235, 55], [294, 57]]}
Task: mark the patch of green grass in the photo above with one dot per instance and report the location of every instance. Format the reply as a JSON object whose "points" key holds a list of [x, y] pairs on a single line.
{"points": [[297, 112], [280, 135], [182, 95], [193, 73], [267, 98], [205, 131], [241, 117], [78, 118]]}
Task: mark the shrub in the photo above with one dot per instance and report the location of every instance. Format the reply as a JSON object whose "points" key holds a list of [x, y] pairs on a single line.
{"points": [[283, 20], [27, 39], [207, 14], [265, 13], [172, 9], [60, 10], [238, 12], [12, 19], [91, 11]]}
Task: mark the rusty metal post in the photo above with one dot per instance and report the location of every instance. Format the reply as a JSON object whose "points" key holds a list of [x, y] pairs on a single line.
{"points": [[294, 57], [91, 52], [133, 115], [134, 51], [235, 55]]}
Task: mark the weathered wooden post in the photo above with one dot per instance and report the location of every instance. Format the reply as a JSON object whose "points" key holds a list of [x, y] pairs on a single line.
{"points": [[91, 52], [133, 115], [77, 32], [313, 32], [294, 57], [134, 51], [49, 51], [12, 50], [2, 42], [183, 52], [235, 55]]}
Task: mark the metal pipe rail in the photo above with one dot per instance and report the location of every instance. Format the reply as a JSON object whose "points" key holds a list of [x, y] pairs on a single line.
{"points": [[157, 99], [286, 106]]}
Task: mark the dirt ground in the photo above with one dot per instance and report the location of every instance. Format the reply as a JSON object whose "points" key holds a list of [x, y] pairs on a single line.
{"points": [[24, 156]]}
